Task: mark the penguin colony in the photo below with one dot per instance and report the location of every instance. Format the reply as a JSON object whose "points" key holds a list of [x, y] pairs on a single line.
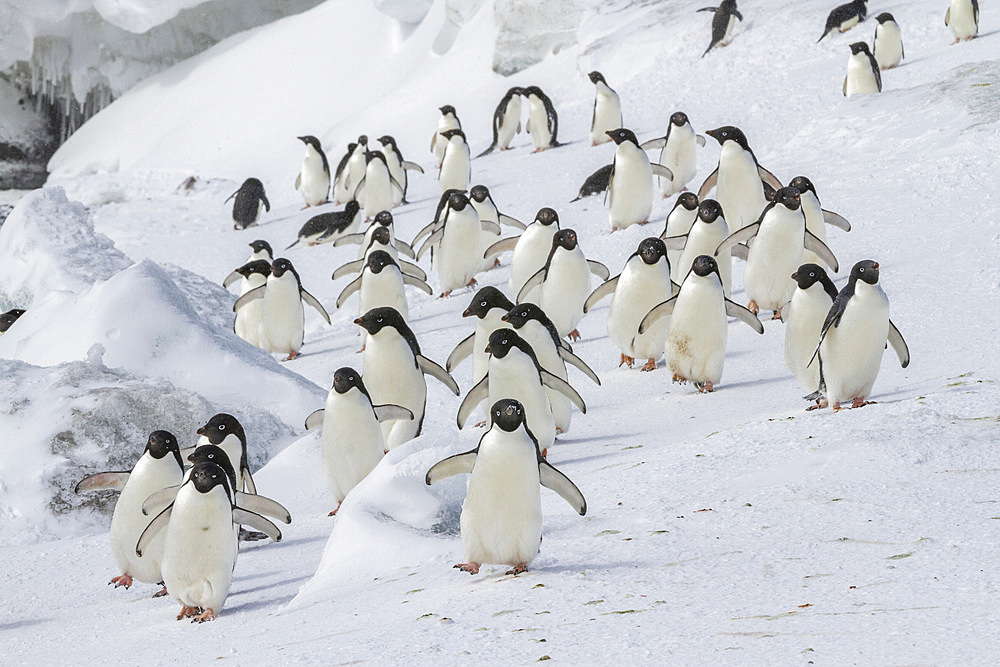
{"points": [[177, 524]]}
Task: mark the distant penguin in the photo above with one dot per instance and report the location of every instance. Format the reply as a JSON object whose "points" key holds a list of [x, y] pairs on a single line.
{"points": [[888, 42], [356, 165], [250, 201], [531, 249], [456, 168], [398, 167], [963, 19], [488, 306], [501, 518], [394, 372], [679, 222], [482, 201], [379, 187], [380, 239], [596, 183], [352, 442], [340, 191], [696, 342], [677, 153], [459, 240], [607, 113], [543, 122], [564, 282], [447, 121], [723, 23], [817, 218], [854, 335], [804, 316], [506, 120], [328, 227], [261, 250], [282, 315], [7, 319], [845, 17], [643, 283], [779, 240], [630, 188], [738, 180], [159, 466], [313, 181], [863, 76], [251, 275], [707, 232]]}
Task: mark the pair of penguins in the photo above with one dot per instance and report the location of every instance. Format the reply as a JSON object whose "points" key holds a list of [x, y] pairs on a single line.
{"points": [[191, 543], [542, 125]]}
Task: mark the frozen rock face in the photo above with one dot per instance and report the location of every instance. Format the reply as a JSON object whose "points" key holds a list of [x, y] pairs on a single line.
{"points": [[528, 30], [26, 141]]}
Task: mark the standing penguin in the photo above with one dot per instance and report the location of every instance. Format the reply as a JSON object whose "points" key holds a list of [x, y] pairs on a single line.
{"points": [[397, 167], [804, 316], [356, 165], [340, 191], [738, 180], [707, 232], [543, 122], [506, 120], [313, 181], [643, 283], [502, 514], [456, 166], [679, 222], [817, 218], [696, 342], [863, 76], [458, 241], [159, 466], [352, 440], [963, 19], [261, 250], [531, 248], [845, 17], [488, 306], [329, 226], [482, 201], [394, 372], [379, 187], [677, 153], [630, 188], [564, 282], [364, 241], [250, 200], [447, 121], [225, 431], [282, 315], [853, 337], [381, 239], [723, 23], [251, 275], [888, 42], [607, 110]]}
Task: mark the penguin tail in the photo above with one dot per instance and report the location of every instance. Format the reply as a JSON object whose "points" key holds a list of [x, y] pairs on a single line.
{"points": [[822, 36], [487, 151], [295, 242], [708, 49]]}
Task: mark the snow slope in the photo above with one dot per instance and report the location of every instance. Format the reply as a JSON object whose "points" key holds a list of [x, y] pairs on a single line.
{"points": [[731, 528]]}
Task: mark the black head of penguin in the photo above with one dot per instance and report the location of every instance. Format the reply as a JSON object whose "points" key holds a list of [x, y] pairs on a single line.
{"points": [[206, 476], [502, 341], [688, 200], [380, 236], [220, 426], [448, 134], [310, 140], [621, 135], [447, 109], [162, 443], [860, 47], [383, 218], [261, 266], [346, 378], [729, 133], [802, 184], [808, 275], [564, 238], [486, 300], [516, 90], [651, 250], [480, 193], [788, 197], [281, 266], [704, 265], [387, 140], [533, 90], [546, 216], [375, 155], [866, 270], [377, 319], [596, 76], [378, 260], [253, 187], [352, 207], [363, 140], [259, 245], [679, 119], [885, 16], [216, 455], [508, 414], [457, 201], [709, 211], [526, 312], [7, 319]]}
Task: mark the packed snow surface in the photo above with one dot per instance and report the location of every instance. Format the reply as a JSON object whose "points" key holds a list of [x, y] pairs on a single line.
{"points": [[727, 528]]}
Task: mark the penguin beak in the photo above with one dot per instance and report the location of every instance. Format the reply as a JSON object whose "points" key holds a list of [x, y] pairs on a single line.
{"points": [[359, 322], [467, 312], [201, 431], [489, 349], [505, 318], [876, 266], [610, 133]]}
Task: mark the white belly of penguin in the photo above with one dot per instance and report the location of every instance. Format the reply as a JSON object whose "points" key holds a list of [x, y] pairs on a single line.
{"points": [[815, 225], [565, 289], [392, 376], [484, 327], [703, 240], [630, 193], [502, 515], [384, 288], [530, 253], [538, 337], [315, 182], [607, 114], [356, 167], [639, 289], [378, 189], [487, 212], [445, 123], [729, 30], [515, 376], [455, 167], [511, 119], [962, 21], [352, 441], [456, 258], [775, 254], [860, 77], [739, 189], [538, 122], [679, 156], [397, 172], [247, 324], [679, 223], [806, 314], [696, 343], [282, 317], [888, 45], [852, 352], [849, 23]]}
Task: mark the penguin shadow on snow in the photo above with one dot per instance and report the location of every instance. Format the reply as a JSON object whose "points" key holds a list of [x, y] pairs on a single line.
{"points": [[264, 587], [585, 459], [755, 382]]}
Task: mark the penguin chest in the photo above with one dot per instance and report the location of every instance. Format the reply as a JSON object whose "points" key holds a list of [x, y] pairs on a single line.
{"points": [[391, 374], [962, 19], [355, 169], [775, 253], [640, 288], [484, 327], [730, 24], [703, 239], [852, 352], [888, 49], [352, 441], [378, 189], [455, 167], [128, 522], [458, 258], [314, 182], [630, 192], [540, 340], [510, 122], [696, 342], [607, 114], [739, 189], [247, 323], [384, 288], [849, 23], [515, 376], [860, 77], [815, 225], [565, 289], [282, 316], [678, 155], [807, 312], [538, 123], [529, 256]]}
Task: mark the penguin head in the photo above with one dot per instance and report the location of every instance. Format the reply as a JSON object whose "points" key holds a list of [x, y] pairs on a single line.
{"points": [[220, 427], [162, 443], [449, 134], [383, 218], [565, 239], [547, 216], [345, 379], [252, 187], [789, 197], [704, 265], [363, 141], [679, 118], [378, 260], [885, 16], [709, 211], [479, 193], [596, 76], [377, 319], [375, 155], [502, 341], [486, 300], [207, 475], [651, 250], [688, 200], [387, 140], [7, 319], [380, 236], [281, 266], [866, 270], [808, 275], [457, 201], [260, 245], [621, 135], [802, 184], [447, 109], [352, 207], [860, 47], [533, 90], [516, 90], [261, 266], [310, 140], [508, 414], [216, 455], [729, 133]]}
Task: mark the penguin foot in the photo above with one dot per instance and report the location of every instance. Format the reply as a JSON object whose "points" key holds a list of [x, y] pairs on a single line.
{"points": [[471, 568], [472, 283], [626, 360], [753, 307], [481, 424], [955, 42], [496, 263], [445, 295], [162, 592], [518, 569], [187, 612], [305, 207], [574, 335], [777, 315], [545, 453], [859, 402], [361, 350], [207, 615], [336, 509], [705, 387], [650, 365], [251, 535], [291, 355], [122, 580], [820, 404], [559, 431], [679, 379]]}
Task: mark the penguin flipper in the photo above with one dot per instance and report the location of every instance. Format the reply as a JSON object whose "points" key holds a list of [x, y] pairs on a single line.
{"points": [[656, 312], [453, 465], [674, 242], [103, 481], [836, 220], [531, 283], [554, 382], [734, 309], [476, 395], [511, 222], [298, 180], [394, 183], [431, 241], [388, 411], [361, 185], [706, 9], [660, 170], [503, 245], [739, 236], [700, 140], [441, 375], [822, 250], [769, 178], [598, 269], [315, 419], [490, 226], [708, 184], [412, 269], [658, 142], [406, 249], [412, 166], [416, 282], [156, 502], [245, 517], [579, 363], [351, 267], [899, 345], [737, 14], [351, 288], [252, 295], [348, 239], [845, 86], [461, 352], [604, 289], [248, 482], [314, 302], [263, 505], [153, 529], [427, 229], [551, 478], [231, 278]]}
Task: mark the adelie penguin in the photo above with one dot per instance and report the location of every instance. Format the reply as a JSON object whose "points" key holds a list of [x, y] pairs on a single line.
{"points": [[817, 218], [708, 230], [531, 249], [377, 189], [251, 275], [863, 75], [855, 333], [482, 201], [488, 306], [460, 233], [739, 180], [506, 120], [723, 22], [313, 181], [456, 165], [380, 238], [356, 165], [501, 518], [607, 113], [680, 220], [398, 167], [630, 188], [250, 201], [803, 317], [677, 153], [844, 17], [364, 241], [261, 250], [330, 226], [887, 46], [543, 122], [340, 191], [447, 121], [962, 18]]}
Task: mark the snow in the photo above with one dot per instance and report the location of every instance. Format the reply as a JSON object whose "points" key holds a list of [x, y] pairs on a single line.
{"points": [[729, 528]]}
